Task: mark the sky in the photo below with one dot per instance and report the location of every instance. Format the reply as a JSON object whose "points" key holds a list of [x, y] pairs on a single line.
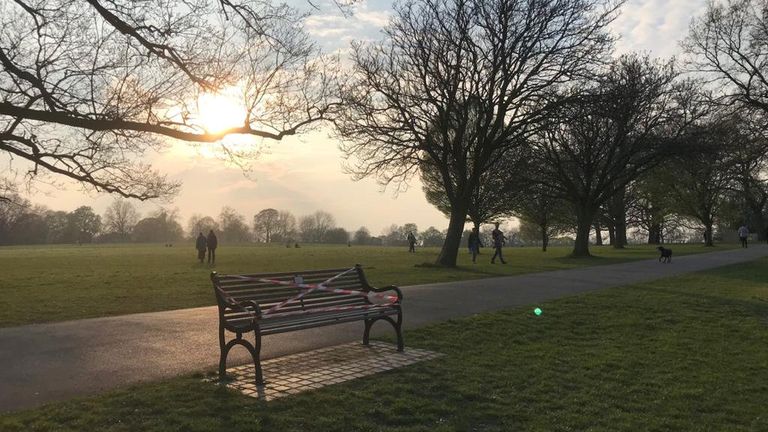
{"points": [[304, 174]]}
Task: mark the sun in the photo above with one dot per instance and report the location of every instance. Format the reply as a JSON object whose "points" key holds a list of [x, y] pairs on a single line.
{"points": [[220, 111]]}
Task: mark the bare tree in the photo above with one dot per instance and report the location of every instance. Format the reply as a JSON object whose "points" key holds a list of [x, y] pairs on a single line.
{"points": [[432, 237], [652, 210], [362, 236], [750, 156], [457, 83], [542, 209], [201, 224], [704, 177], [265, 224], [285, 227], [494, 193], [83, 225], [161, 226], [597, 145], [11, 210], [87, 88], [314, 227], [728, 43], [120, 218], [233, 227]]}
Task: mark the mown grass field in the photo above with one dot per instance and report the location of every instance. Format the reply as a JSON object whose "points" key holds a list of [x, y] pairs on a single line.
{"points": [[54, 283], [683, 354]]}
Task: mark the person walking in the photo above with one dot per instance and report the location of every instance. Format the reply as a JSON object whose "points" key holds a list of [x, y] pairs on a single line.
{"points": [[743, 235], [498, 242], [411, 242], [474, 244], [201, 244], [212, 242]]}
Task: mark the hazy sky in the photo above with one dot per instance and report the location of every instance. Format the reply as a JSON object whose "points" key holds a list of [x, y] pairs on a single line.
{"points": [[305, 174]]}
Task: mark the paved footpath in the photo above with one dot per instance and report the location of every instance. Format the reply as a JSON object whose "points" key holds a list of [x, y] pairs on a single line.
{"points": [[42, 363]]}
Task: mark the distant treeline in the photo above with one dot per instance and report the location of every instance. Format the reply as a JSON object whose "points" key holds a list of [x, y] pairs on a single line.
{"points": [[22, 222]]}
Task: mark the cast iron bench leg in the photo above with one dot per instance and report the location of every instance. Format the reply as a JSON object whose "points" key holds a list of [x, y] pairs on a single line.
{"points": [[367, 332]]}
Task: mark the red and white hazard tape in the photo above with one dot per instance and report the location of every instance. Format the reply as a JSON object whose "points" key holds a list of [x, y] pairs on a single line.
{"points": [[309, 288]]}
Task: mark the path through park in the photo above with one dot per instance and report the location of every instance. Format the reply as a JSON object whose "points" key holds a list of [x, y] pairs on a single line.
{"points": [[49, 362]]}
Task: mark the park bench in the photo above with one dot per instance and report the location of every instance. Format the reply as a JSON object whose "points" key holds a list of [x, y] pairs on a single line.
{"points": [[271, 303]]}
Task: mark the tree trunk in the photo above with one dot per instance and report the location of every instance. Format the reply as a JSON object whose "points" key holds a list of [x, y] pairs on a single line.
{"points": [[450, 250], [544, 238], [584, 218], [621, 233], [598, 235], [759, 225], [654, 234], [611, 234], [708, 234], [618, 213]]}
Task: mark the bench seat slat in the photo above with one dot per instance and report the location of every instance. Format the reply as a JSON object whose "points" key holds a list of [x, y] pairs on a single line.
{"points": [[298, 307], [288, 291], [256, 285], [279, 324]]}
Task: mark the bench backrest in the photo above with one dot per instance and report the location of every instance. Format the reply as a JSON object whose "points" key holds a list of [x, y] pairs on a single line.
{"points": [[255, 287]]}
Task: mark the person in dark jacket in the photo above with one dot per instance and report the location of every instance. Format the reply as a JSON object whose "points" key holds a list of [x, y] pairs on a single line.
{"points": [[213, 242], [474, 244], [201, 244], [498, 243], [411, 242]]}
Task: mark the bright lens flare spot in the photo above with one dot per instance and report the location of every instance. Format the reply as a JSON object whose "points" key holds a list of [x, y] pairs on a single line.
{"points": [[537, 311], [218, 112]]}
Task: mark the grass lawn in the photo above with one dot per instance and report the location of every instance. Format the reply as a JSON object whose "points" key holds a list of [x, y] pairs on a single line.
{"points": [[683, 354], [54, 283]]}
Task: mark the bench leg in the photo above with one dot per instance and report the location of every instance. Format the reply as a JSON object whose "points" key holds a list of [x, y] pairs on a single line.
{"points": [[367, 332], [398, 325], [223, 359], [223, 351], [255, 351], [256, 354], [399, 330]]}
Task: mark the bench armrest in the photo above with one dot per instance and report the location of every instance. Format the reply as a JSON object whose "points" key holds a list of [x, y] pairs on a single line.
{"points": [[242, 306], [389, 288], [255, 306]]}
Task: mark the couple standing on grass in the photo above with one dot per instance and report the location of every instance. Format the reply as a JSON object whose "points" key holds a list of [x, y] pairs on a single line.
{"points": [[210, 243], [498, 242]]}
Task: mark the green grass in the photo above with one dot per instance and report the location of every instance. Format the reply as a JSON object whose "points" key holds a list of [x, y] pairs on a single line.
{"points": [[683, 354], [43, 284]]}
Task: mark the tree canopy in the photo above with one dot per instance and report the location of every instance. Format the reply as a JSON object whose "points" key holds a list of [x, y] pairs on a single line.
{"points": [[88, 88]]}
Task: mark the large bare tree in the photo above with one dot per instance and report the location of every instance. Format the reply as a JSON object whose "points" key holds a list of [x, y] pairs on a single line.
{"points": [[88, 87], [700, 180], [456, 84], [618, 130], [120, 218], [728, 45], [265, 224]]}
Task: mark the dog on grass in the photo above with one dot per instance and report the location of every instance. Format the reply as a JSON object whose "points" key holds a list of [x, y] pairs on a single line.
{"points": [[666, 254]]}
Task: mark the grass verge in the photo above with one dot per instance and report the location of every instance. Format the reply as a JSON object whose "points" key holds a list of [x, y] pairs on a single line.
{"points": [[44, 284], [686, 353]]}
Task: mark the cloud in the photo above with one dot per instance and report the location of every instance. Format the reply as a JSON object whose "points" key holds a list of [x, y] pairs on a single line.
{"points": [[655, 26]]}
